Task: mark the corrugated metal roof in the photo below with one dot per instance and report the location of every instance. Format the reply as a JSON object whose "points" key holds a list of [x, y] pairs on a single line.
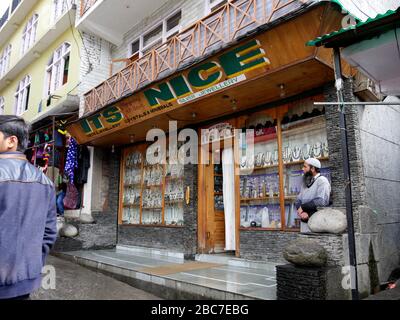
{"points": [[319, 40], [363, 10]]}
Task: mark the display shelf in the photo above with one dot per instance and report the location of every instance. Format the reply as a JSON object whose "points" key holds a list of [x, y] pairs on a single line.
{"points": [[168, 202], [130, 185], [152, 186], [277, 165], [125, 205], [302, 161], [259, 168], [303, 126], [268, 198], [151, 225], [171, 178], [138, 166]]}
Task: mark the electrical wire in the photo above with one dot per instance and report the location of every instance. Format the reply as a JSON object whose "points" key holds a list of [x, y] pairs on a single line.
{"points": [[76, 41]]}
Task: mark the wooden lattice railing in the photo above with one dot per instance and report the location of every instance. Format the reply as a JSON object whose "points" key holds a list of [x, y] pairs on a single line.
{"points": [[222, 26]]}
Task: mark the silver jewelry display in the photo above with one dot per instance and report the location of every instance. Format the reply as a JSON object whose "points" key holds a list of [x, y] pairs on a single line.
{"points": [[325, 150], [317, 150], [306, 151]]}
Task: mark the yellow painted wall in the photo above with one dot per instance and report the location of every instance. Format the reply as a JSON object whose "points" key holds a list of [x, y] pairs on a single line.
{"points": [[37, 70]]}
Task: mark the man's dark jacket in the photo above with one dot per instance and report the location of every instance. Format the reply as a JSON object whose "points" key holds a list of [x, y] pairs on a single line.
{"points": [[28, 225]]}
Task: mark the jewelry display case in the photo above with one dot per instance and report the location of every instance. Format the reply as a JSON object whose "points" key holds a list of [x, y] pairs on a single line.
{"points": [[282, 142], [132, 188], [259, 179], [151, 195], [174, 194], [303, 136]]}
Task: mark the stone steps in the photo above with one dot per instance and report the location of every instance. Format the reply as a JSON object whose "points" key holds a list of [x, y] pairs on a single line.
{"points": [[215, 282]]}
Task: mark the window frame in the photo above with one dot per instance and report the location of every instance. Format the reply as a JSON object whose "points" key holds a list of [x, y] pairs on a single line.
{"points": [[165, 34], [5, 59], [58, 58], [22, 95], [30, 31], [59, 8], [211, 7]]}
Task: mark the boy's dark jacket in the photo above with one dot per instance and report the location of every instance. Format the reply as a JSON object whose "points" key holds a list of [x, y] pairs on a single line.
{"points": [[28, 225]]}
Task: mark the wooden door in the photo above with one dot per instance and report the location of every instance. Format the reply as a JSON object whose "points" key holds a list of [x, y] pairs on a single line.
{"points": [[215, 212]]}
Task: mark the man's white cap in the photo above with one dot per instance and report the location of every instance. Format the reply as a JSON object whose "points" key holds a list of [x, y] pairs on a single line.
{"points": [[314, 162]]}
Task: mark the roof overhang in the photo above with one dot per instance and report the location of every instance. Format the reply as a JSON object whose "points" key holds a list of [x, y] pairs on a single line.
{"points": [[66, 108], [379, 59], [373, 47], [368, 29]]}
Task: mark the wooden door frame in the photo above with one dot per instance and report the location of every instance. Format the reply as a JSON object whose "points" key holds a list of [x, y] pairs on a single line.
{"points": [[202, 222]]}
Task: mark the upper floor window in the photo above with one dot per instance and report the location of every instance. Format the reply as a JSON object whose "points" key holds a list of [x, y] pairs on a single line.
{"points": [[5, 60], [212, 5], [22, 96], [29, 35], [60, 7], [57, 69], [2, 106], [157, 35]]}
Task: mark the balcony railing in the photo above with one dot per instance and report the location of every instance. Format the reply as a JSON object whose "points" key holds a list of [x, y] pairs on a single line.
{"points": [[231, 20], [86, 5]]}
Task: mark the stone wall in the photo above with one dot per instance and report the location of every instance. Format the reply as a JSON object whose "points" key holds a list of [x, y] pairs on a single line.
{"points": [[380, 221], [374, 151], [269, 245], [301, 283]]}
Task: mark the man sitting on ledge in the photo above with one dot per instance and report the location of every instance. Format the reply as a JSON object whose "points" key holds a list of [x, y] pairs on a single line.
{"points": [[314, 192]]}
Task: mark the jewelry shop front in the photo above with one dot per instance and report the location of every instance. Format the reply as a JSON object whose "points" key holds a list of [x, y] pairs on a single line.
{"points": [[258, 94]]}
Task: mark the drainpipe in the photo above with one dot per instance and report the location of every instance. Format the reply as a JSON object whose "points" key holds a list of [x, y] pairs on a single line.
{"points": [[347, 178]]}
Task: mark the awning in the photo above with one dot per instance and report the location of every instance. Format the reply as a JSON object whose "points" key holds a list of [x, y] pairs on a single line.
{"points": [[64, 109], [361, 31], [371, 46], [362, 10], [66, 106]]}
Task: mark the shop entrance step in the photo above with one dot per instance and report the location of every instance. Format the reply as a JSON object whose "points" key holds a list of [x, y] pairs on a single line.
{"points": [[171, 278], [237, 262]]}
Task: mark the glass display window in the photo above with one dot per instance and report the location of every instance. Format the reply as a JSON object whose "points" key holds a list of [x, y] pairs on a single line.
{"points": [[304, 136], [259, 178], [271, 179], [152, 194]]}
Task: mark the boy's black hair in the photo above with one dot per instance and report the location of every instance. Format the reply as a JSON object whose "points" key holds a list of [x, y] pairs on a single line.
{"points": [[15, 126]]}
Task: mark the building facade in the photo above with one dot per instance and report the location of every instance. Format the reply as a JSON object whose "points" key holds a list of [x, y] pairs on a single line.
{"points": [[40, 57], [45, 66], [212, 67]]}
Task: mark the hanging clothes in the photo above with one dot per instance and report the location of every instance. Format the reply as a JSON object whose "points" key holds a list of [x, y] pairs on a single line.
{"points": [[81, 174], [71, 199], [228, 173], [71, 162]]}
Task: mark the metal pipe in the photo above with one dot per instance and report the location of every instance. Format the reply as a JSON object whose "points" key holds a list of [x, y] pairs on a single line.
{"points": [[346, 173]]}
